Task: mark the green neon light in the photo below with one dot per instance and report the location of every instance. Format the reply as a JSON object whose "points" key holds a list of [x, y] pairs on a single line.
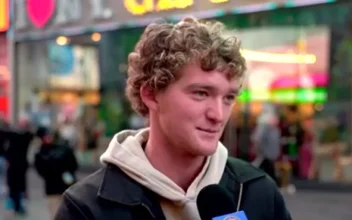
{"points": [[302, 95]]}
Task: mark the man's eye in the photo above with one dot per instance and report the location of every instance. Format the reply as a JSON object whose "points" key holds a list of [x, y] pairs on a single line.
{"points": [[230, 99], [201, 93]]}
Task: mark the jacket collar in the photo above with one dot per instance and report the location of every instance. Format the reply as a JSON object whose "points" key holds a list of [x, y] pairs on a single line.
{"points": [[116, 186]]}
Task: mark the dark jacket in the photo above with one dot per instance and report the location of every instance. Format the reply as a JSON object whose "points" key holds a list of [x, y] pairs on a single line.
{"points": [[18, 141], [3, 138], [52, 162], [111, 194]]}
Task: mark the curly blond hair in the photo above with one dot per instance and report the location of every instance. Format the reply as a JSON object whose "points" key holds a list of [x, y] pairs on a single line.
{"points": [[165, 48]]}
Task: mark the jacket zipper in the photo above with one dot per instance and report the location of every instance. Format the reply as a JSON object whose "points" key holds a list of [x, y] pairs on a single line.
{"points": [[239, 198], [148, 209]]}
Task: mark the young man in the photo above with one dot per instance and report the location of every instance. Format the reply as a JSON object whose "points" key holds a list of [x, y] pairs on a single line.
{"points": [[184, 78]]}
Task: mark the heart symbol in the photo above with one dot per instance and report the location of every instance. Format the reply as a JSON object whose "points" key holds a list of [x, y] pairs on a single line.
{"points": [[40, 11]]}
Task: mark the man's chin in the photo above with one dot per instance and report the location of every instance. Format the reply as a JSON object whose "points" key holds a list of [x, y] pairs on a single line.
{"points": [[207, 150]]}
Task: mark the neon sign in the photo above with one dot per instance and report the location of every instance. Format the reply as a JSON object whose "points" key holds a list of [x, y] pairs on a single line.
{"points": [[147, 6], [61, 12], [293, 96], [40, 12], [4, 16], [219, 1]]}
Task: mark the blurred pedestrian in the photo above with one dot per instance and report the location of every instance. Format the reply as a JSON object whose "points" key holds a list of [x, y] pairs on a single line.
{"points": [[306, 155], [292, 134], [68, 132], [3, 141], [267, 141], [19, 139], [57, 165]]}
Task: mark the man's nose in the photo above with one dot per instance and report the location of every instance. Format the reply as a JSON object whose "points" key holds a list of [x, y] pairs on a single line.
{"points": [[216, 111]]}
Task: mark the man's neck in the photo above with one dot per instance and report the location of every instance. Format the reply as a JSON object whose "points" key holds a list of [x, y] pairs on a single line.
{"points": [[179, 168]]}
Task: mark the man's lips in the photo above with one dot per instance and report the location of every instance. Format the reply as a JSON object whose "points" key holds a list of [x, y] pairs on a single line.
{"points": [[208, 130]]}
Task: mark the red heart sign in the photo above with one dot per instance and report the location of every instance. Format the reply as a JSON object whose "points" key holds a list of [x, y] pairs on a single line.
{"points": [[40, 11]]}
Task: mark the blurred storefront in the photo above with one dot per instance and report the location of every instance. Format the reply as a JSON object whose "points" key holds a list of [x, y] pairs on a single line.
{"points": [[302, 63], [4, 70], [299, 61], [56, 72], [288, 68]]}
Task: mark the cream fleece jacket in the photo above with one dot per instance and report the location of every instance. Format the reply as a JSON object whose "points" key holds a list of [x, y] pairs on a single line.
{"points": [[125, 151]]}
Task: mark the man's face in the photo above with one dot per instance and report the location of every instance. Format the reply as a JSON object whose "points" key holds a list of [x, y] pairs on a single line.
{"points": [[193, 111]]}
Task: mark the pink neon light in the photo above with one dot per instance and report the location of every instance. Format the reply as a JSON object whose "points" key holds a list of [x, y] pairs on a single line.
{"points": [[318, 80], [4, 106], [40, 11]]}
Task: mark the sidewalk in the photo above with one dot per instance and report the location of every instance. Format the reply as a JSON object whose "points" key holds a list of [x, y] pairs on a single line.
{"points": [[37, 206], [317, 205]]}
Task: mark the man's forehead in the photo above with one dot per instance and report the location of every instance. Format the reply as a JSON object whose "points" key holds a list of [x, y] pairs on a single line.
{"points": [[193, 72]]}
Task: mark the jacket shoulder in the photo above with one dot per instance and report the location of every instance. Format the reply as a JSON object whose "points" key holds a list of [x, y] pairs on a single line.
{"points": [[261, 191], [88, 186], [243, 171], [95, 197], [80, 199], [246, 173]]}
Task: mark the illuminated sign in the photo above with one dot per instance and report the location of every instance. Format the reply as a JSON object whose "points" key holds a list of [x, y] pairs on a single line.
{"points": [[219, 1], [38, 13], [299, 95], [37, 18], [4, 15], [146, 6], [4, 77], [59, 11]]}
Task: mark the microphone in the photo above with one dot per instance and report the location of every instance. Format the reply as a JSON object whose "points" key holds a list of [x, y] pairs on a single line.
{"points": [[215, 203]]}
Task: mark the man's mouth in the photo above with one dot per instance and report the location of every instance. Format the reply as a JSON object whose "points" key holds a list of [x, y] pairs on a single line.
{"points": [[208, 130]]}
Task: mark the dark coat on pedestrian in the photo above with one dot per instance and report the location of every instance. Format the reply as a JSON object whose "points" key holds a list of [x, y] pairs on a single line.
{"points": [[57, 165]]}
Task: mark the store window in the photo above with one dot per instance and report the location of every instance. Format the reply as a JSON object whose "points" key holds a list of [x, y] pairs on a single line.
{"points": [[62, 73], [58, 85]]}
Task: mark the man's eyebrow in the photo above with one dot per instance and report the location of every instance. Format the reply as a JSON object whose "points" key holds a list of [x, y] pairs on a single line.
{"points": [[234, 91], [210, 88], [200, 86]]}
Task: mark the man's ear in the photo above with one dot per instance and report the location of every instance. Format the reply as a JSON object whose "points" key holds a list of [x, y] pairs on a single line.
{"points": [[148, 97]]}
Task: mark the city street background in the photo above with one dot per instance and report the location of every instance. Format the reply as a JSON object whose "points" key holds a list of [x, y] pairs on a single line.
{"points": [[304, 205]]}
